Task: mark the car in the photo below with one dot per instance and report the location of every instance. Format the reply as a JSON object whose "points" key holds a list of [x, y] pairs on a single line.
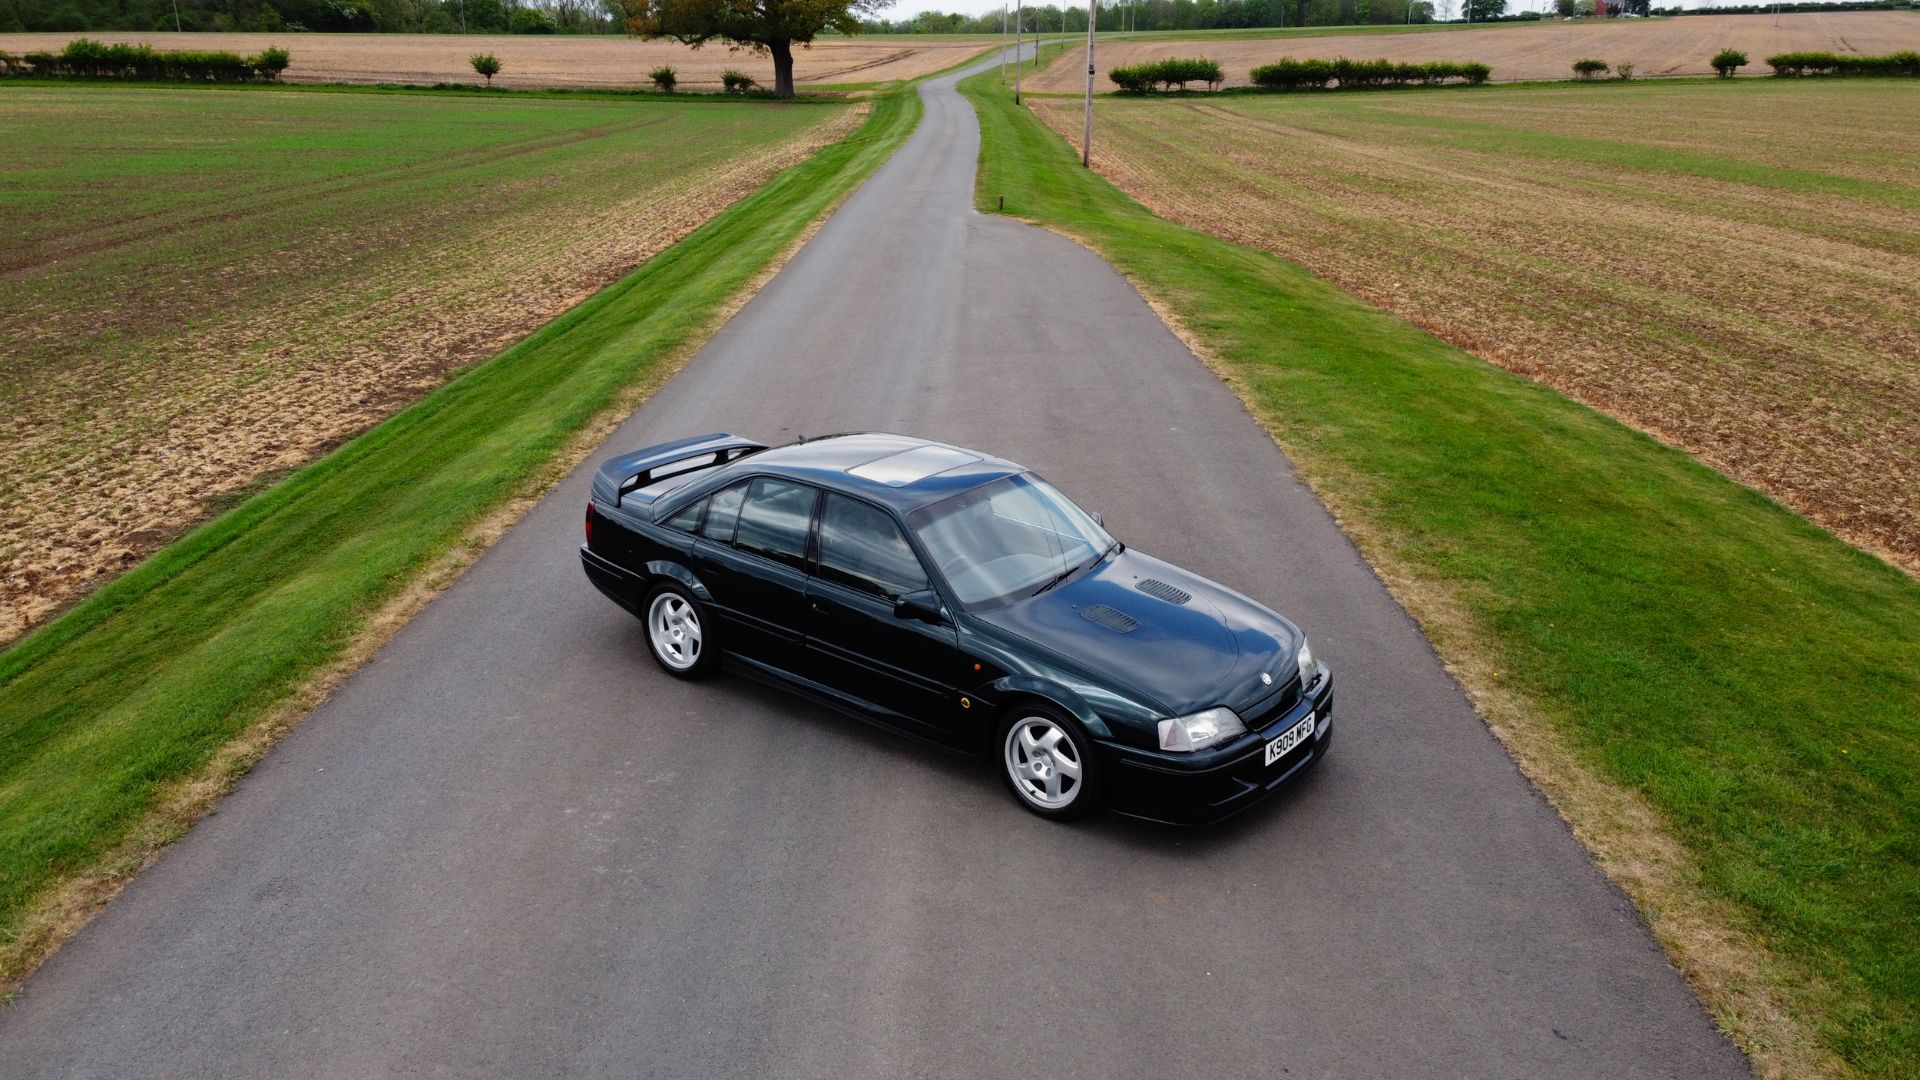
{"points": [[961, 599]]}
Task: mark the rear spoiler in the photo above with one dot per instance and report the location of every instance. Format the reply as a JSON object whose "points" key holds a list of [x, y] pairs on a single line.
{"points": [[633, 473]]}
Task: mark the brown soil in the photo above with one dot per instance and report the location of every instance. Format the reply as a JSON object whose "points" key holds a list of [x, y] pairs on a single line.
{"points": [[538, 61], [1545, 50], [1769, 330], [243, 399]]}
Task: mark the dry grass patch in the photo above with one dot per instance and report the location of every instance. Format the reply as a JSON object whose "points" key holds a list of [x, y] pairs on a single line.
{"points": [[1543, 50], [1733, 268]]}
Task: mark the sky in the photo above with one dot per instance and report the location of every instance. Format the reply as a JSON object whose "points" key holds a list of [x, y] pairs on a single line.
{"points": [[906, 9]]}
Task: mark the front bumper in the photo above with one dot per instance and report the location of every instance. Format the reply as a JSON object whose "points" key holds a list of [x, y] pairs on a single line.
{"points": [[1201, 789]]}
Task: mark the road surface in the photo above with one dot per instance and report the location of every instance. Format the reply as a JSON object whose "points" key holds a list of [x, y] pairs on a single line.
{"points": [[511, 846]]}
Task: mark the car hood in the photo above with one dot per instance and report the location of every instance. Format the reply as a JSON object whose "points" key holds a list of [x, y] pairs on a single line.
{"points": [[1170, 638]]}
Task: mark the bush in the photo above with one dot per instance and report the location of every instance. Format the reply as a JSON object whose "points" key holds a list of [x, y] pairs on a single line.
{"points": [[1169, 74], [1728, 61], [530, 21], [1826, 63], [1624, 70], [737, 82], [270, 63], [664, 78], [1290, 74], [1590, 68], [485, 64], [85, 58]]}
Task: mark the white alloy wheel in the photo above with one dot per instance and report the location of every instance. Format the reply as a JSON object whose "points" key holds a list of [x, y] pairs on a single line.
{"points": [[673, 628], [1047, 768]]}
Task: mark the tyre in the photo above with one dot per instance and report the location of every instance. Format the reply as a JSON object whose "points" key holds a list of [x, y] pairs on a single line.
{"points": [[1047, 761], [679, 634]]}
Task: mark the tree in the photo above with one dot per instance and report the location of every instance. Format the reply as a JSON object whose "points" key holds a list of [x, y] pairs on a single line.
{"points": [[1566, 9], [758, 26], [1485, 10], [485, 64]]}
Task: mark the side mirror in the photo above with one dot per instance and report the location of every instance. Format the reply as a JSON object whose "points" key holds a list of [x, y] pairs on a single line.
{"points": [[923, 605], [1097, 519]]}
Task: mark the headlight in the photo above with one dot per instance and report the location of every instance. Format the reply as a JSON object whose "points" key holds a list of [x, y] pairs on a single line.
{"points": [[1307, 667], [1201, 730]]}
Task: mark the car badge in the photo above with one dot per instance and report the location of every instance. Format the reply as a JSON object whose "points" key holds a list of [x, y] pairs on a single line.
{"points": [[1266, 679]]}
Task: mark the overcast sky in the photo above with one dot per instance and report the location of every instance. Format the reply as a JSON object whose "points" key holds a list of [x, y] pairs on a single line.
{"points": [[906, 9]]}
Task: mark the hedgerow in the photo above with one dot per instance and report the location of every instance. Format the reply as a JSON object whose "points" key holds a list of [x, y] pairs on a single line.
{"points": [[1825, 63], [1291, 74], [1167, 74], [85, 58]]}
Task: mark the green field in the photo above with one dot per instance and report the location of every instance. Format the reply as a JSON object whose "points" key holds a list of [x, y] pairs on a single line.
{"points": [[1750, 677], [238, 279], [104, 711]]}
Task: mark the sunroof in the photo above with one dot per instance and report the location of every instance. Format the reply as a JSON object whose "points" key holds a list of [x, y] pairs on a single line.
{"points": [[907, 466]]}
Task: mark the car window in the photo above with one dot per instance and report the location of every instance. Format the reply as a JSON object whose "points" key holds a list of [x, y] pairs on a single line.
{"points": [[688, 518], [723, 512], [861, 547], [775, 519]]}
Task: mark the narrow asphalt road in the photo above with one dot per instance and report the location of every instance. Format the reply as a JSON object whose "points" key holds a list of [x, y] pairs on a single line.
{"points": [[510, 846]]}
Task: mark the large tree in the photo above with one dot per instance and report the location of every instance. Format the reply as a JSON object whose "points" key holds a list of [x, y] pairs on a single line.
{"points": [[760, 26]]}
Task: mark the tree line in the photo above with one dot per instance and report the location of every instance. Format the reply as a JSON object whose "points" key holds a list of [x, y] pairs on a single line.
{"points": [[336, 16]]}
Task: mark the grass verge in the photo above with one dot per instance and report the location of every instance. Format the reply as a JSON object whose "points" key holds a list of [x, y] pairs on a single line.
{"points": [[121, 717], [1720, 697]]}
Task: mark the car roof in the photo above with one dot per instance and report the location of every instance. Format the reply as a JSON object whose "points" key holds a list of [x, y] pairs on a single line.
{"points": [[899, 470]]}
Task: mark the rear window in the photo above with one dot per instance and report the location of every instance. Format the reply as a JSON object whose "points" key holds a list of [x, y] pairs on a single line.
{"points": [[775, 519], [723, 511]]}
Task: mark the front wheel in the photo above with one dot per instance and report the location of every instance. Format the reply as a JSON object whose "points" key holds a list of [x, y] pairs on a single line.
{"points": [[1047, 761], [678, 632]]}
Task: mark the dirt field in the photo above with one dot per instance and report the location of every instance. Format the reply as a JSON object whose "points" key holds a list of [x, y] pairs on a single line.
{"points": [[536, 61], [1544, 50], [201, 289], [1734, 268]]}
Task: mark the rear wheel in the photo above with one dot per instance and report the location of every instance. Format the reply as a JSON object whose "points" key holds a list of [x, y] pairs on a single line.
{"points": [[1047, 761], [679, 633]]}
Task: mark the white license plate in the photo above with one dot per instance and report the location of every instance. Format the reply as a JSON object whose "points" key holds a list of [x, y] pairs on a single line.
{"points": [[1289, 739]]}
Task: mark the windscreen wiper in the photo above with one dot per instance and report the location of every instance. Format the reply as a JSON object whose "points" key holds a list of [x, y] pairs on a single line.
{"points": [[1069, 571]]}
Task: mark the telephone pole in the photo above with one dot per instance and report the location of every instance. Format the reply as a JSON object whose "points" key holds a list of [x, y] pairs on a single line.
{"points": [[1019, 16], [1003, 44], [1086, 131]]}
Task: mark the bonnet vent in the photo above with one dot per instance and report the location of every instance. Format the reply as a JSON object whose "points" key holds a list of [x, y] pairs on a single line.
{"points": [[1112, 618], [1160, 589]]}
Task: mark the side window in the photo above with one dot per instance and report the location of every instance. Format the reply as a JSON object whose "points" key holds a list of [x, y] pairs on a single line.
{"points": [[774, 520], [688, 519], [861, 547], [723, 511]]}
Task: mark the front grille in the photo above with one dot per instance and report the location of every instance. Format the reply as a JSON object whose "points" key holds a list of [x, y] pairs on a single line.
{"points": [[1270, 709]]}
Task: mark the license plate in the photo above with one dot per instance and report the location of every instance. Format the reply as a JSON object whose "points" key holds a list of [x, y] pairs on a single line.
{"points": [[1289, 739]]}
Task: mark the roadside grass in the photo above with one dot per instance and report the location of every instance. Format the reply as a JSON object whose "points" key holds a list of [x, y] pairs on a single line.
{"points": [[137, 689], [1617, 610]]}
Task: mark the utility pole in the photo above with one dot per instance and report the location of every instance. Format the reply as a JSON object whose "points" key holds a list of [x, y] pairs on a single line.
{"points": [[1019, 16], [176, 17], [1003, 44], [1086, 131]]}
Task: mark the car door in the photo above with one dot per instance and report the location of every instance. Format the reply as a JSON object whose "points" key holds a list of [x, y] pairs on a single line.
{"points": [[752, 555], [856, 642]]}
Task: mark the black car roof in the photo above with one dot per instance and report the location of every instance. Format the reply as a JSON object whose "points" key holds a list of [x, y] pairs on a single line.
{"points": [[899, 470]]}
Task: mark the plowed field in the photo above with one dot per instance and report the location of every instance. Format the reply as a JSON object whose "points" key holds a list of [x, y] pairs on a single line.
{"points": [[203, 288], [1734, 268], [1543, 50], [535, 61]]}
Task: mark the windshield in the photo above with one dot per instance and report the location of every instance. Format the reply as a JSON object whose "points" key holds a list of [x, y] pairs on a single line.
{"points": [[1007, 538]]}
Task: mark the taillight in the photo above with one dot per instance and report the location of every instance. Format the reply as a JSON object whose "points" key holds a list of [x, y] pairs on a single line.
{"points": [[589, 522]]}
